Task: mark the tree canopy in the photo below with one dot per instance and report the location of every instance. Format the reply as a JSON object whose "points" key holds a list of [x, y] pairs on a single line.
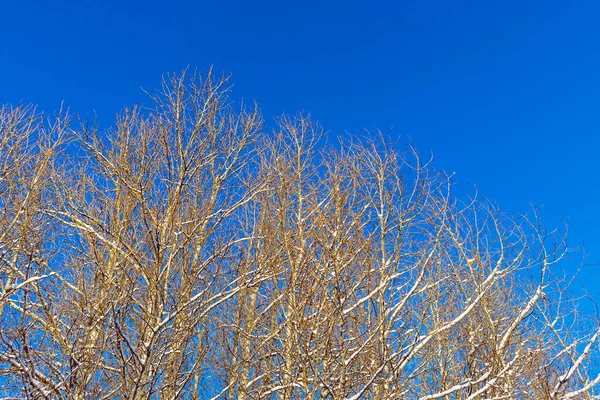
{"points": [[190, 252]]}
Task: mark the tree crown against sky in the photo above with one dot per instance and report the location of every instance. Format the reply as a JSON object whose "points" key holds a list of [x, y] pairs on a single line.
{"points": [[189, 252], [503, 93]]}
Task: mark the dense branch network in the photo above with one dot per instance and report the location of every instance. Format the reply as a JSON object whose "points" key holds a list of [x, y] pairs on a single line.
{"points": [[188, 253]]}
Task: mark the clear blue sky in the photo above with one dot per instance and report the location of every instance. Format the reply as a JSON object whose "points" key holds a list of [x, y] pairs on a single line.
{"points": [[505, 93]]}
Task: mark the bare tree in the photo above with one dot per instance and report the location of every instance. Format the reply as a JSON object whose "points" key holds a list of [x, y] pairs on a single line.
{"points": [[189, 253], [28, 151]]}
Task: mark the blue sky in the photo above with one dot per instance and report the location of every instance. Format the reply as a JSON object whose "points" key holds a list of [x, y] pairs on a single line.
{"points": [[505, 93]]}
